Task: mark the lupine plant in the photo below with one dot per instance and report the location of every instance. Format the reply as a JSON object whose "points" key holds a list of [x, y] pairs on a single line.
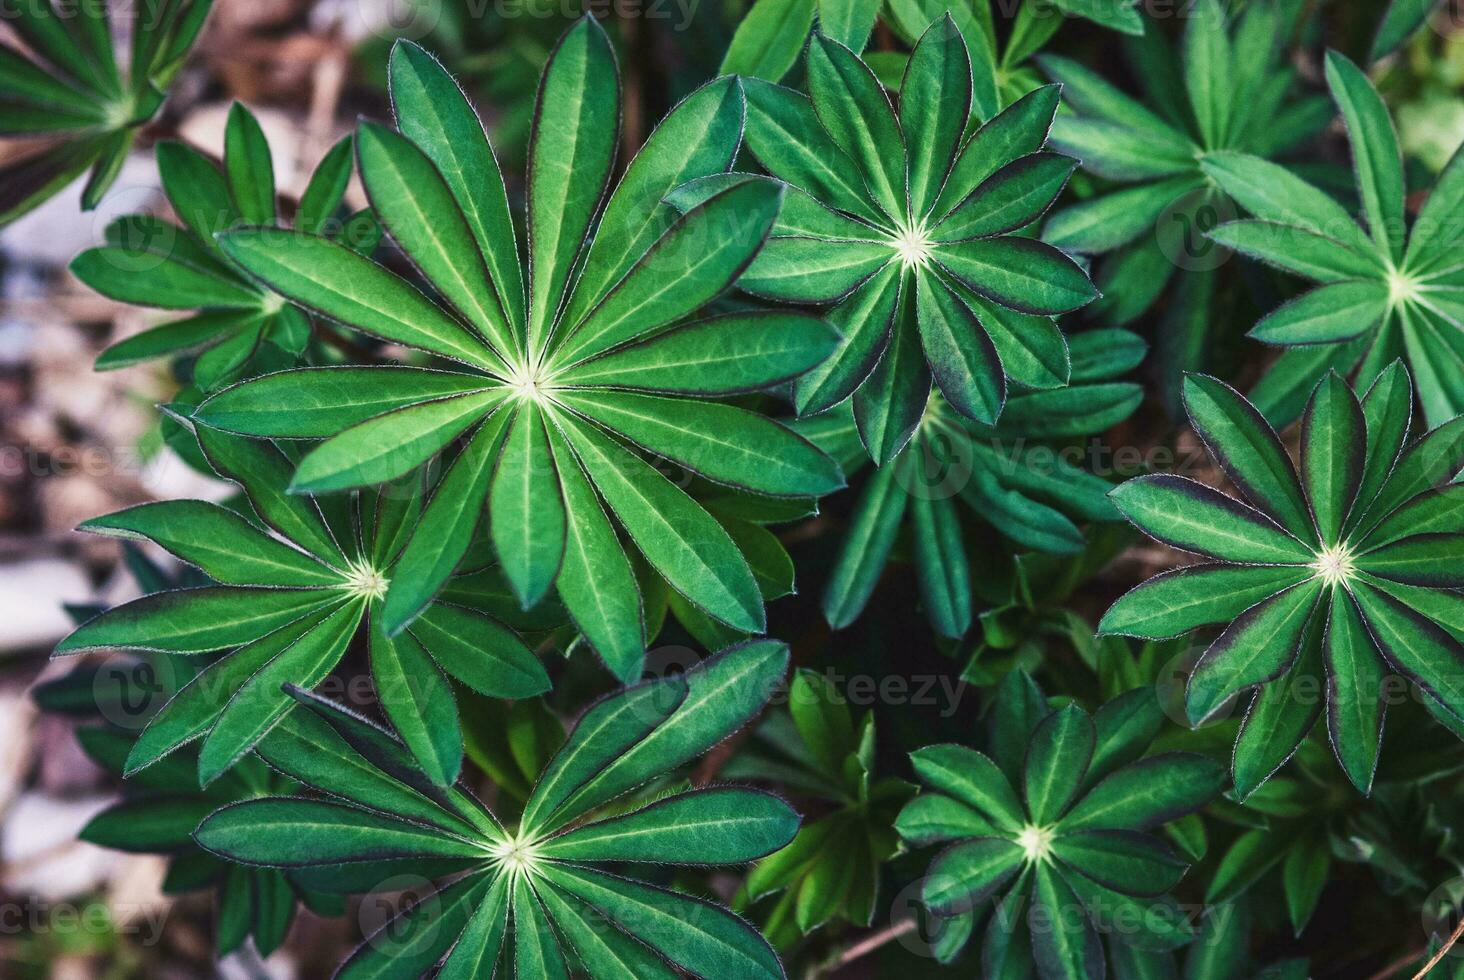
{"points": [[1059, 817], [1345, 567], [519, 457], [905, 228], [1237, 94], [288, 605], [553, 373], [1389, 288], [534, 893], [152, 263], [72, 88]]}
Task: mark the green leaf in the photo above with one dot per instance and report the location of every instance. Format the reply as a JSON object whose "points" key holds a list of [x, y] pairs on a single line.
{"points": [[248, 167], [1110, 221], [1282, 714], [699, 937], [445, 530], [219, 542], [888, 407], [197, 190], [305, 747], [1258, 647], [1182, 599], [1248, 449], [962, 359], [610, 727], [1414, 646], [1057, 761], [1304, 875], [478, 946], [150, 825], [941, 566], [700, 255], [526, 512], [973, 779], [722, 355], [1402, 18], [1432, 459], [194, 709], [331, 280], [1273, 193], [965, 875], [315, 403], [1184, 514], [417, 207], [420, 934], [723, 443], [327, 188], [1375, 152], [144, 278], [1016, 131], [596, 582], [432, 111], [1069, 948], [680, 540], [931, 819], [935, 102], [1328, 315], [864, 320], [195, 620], [1019, 273], [480, 652], [785, 135], [1354, 692], [814, 270], [854, 111], [1208, 62], [1012, 198], [866, 547], [724, 825], [598, 944], [1387, 410], [293, 833], [823, 720], [1333, 442], [261, 702], [1297, 250], [1129, 862], [769, 39], [1148, 793], [391, 445], [571, 150], [536, 951], [418, 701], [723, 693]]}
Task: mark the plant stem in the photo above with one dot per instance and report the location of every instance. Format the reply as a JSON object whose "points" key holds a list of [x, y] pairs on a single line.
{"points": [[1443, 951], [863, 947]]}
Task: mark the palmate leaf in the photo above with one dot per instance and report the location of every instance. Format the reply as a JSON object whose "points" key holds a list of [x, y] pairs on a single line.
{"points": [[538, 886], [1366, 526], [564, 377], [1225, 88], [291, 600], [151, 263], [1385, 289], [1006, 476], [894, 213], [1075, 837], [70, 86]]}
